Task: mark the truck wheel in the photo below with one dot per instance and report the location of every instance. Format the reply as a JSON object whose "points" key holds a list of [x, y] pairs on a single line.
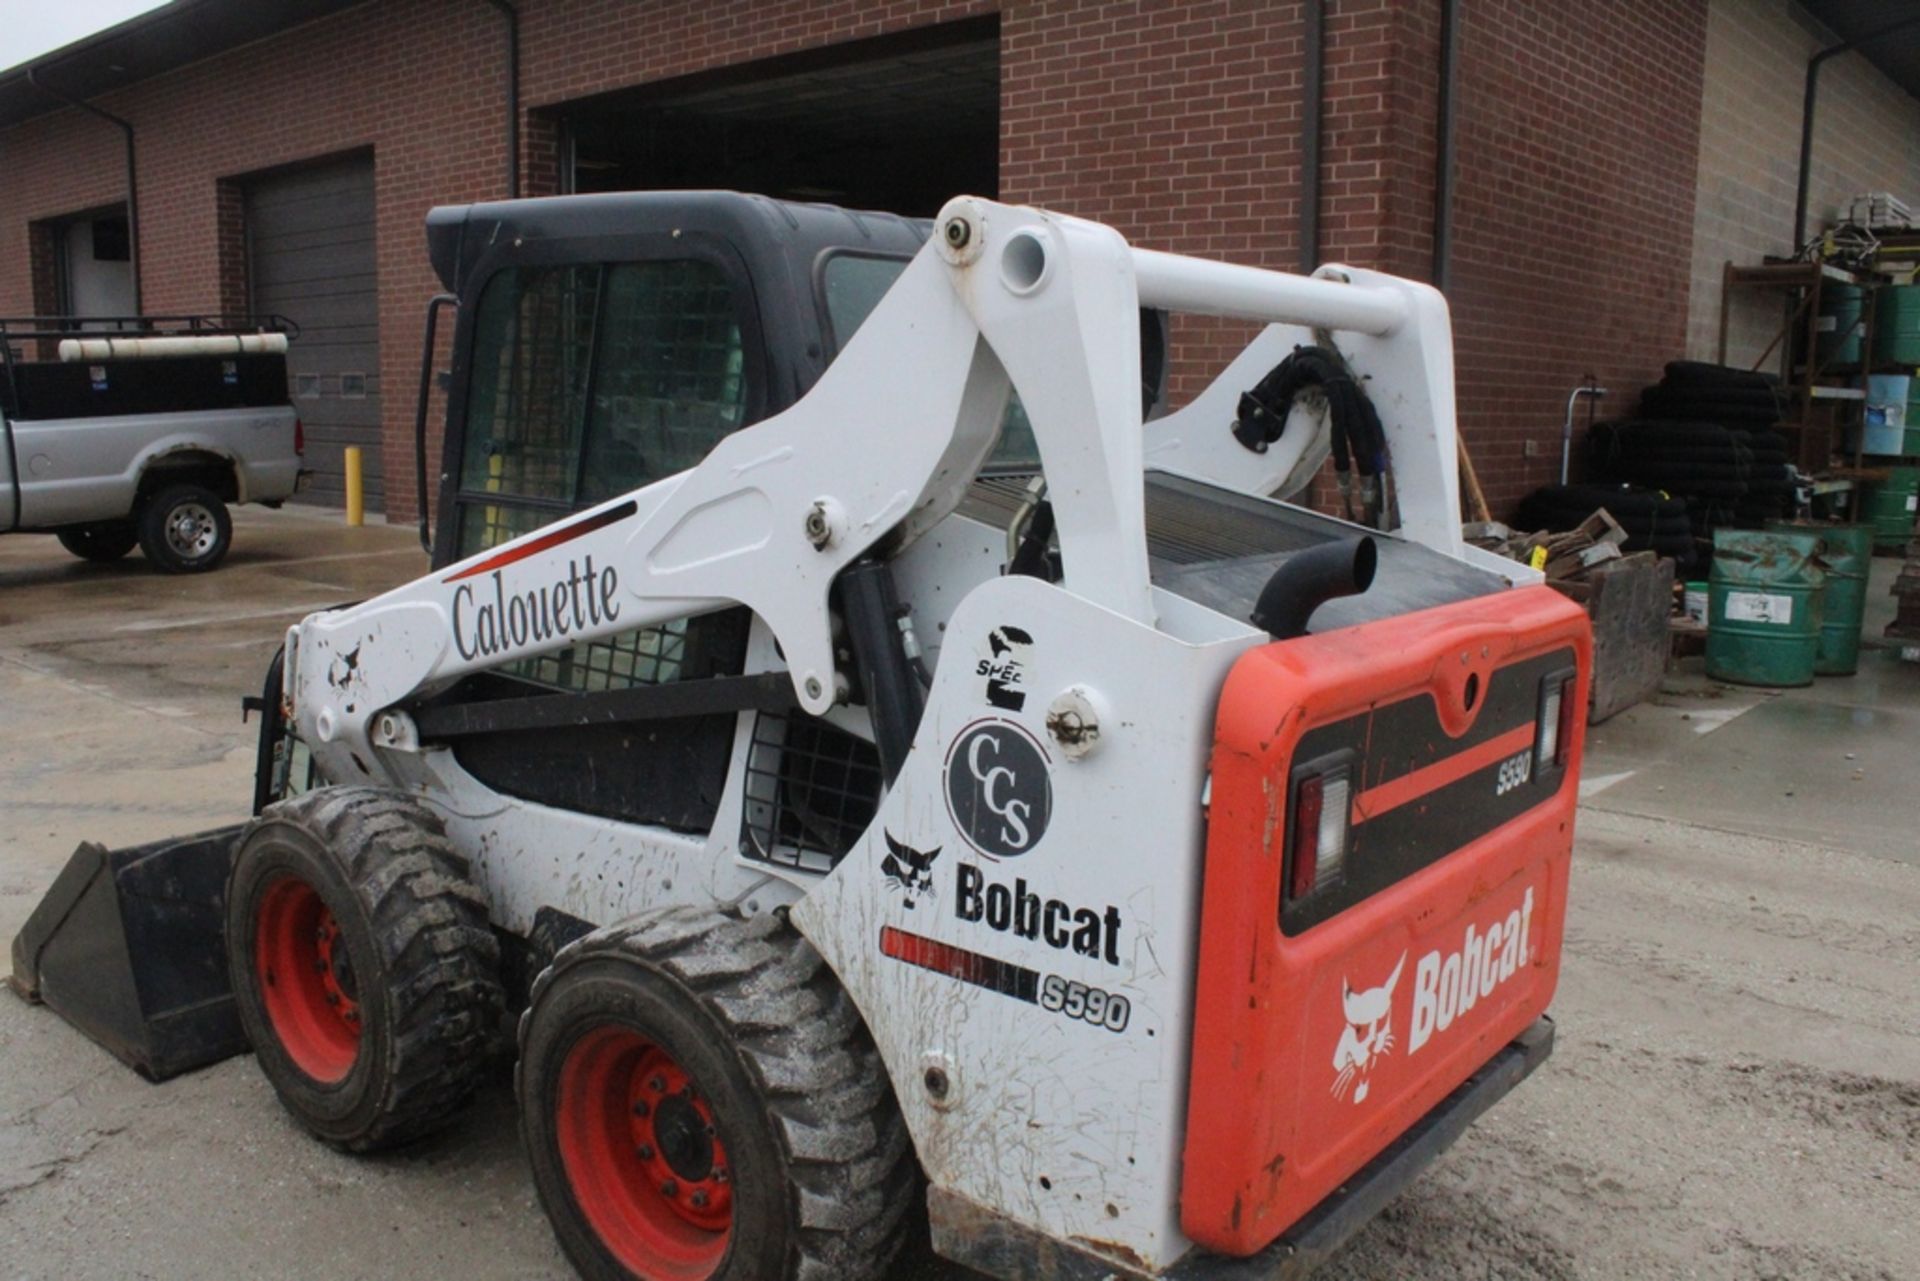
{"points": [[185, 529], [363, 965], [107, 541], [701, 1102]]}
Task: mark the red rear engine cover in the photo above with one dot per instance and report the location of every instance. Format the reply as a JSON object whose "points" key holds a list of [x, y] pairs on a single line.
{"points": [[1319, 1041]]}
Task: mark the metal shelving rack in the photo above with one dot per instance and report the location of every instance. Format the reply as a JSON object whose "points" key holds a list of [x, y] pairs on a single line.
{"points": [[1808, 384]]}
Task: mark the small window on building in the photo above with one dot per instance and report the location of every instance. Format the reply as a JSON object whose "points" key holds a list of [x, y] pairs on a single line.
{"points": [[306, 386], [353, 386]]}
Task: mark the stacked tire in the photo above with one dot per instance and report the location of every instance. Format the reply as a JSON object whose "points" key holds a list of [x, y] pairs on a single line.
{"points": [[1653, 521], [1744, 403], [1742, 399]]}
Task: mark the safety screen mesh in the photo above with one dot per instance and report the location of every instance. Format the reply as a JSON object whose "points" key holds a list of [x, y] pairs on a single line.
{"points": [[590, 381], [671, 375], [811, 790], [648, 656], [532, 355]]}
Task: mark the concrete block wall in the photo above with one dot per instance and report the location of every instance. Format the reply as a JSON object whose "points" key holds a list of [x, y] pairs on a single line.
{"points": [[1866, 138]]}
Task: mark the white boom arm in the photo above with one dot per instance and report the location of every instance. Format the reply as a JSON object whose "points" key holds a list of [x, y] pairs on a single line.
{"points": [[887, 441]]}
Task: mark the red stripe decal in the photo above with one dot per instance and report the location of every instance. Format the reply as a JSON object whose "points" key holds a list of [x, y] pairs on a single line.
{"points": [[989, 972], [552, 538], [1376, 801]]}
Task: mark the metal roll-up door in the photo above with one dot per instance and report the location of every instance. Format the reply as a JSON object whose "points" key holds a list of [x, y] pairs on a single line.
{"points": [[311, 258]]}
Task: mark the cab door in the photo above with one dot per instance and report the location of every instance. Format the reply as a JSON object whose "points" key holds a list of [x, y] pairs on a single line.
{"points": [[575, 382]]}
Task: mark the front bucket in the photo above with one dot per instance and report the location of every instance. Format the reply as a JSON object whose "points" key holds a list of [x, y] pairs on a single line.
{"points": [[127, 946]]}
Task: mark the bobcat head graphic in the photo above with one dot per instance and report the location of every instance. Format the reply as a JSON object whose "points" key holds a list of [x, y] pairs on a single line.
{"points": [[1367, 1036], [907, 869]]}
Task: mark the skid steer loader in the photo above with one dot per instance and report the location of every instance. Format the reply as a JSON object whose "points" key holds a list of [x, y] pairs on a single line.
{"points": [[892, 762]]}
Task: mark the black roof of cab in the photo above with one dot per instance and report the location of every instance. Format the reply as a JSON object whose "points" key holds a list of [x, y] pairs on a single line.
{"points": [[779, 242]]}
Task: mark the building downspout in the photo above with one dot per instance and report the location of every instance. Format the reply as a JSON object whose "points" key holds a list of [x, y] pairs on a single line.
{"points": [[1443, 144], [1312, 101], [133, 186], [1811, 99], [512, 15]]}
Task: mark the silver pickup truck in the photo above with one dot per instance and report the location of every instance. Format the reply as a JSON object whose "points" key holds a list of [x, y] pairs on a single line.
{"points": [[115, 438]]}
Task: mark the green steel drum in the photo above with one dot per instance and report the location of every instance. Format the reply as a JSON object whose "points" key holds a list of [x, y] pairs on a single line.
{"points": [[1837, 342], [1896, 325], [1845, 555], [1890, 507], [1763, 607]]}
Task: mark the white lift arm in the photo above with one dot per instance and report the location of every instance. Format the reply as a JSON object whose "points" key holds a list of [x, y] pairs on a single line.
{"points": [[1001, 298]]}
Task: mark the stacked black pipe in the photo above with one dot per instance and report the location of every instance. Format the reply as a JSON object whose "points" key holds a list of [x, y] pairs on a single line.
{"points": [[1705, 432]]}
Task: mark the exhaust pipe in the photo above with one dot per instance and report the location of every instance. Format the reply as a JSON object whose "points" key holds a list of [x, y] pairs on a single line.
{"points": [[1309, 579]]}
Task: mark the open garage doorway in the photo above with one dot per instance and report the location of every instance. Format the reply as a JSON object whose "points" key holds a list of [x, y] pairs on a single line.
{"points": [[900, 123]]}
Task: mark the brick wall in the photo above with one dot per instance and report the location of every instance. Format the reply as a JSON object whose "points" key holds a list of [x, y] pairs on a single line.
{"points": [[1577, 135], [1866, 138], [1176, 122], [420, 81]]}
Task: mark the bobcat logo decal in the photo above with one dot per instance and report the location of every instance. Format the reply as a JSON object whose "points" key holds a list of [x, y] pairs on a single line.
{"points": [[907, 869], [1368, 1035]]}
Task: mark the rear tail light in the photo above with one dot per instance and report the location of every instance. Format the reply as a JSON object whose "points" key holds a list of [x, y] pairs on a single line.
{"points": [[299, 438], [1553, 735], [1322, 797], [1563, 743]]}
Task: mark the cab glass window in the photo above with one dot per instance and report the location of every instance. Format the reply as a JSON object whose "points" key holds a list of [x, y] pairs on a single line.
{"points": [[852, 285], [588, 381], [592, 380]]}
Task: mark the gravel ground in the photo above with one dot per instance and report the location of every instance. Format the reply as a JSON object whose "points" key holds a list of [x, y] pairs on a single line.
{"points": [[1735, 1091]]}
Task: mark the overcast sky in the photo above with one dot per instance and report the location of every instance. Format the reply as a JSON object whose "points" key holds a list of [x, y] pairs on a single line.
{"points": [[29, 28]]}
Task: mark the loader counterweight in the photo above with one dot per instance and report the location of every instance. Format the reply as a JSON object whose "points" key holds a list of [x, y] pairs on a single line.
{"points": [[1328, 1024]]}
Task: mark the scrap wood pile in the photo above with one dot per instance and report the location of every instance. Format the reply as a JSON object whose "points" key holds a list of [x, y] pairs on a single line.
{"points": [[1653, 521], [1568, 557]]}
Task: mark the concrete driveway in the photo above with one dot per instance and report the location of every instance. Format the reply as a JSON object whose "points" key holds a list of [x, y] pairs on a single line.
{"points": [[1736, 1091]]}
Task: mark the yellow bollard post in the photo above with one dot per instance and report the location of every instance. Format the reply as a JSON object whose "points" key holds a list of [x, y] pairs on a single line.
{"points": [[356, 496]]}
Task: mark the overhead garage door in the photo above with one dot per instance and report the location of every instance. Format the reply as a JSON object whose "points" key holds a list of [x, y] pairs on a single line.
{"points": [[310, 258], [901, 123]]}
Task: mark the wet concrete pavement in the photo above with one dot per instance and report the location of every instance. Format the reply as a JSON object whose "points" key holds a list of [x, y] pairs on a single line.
{"points": [[1736, 1090]]}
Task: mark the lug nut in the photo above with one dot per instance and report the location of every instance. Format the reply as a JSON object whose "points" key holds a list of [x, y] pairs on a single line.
{"points": [[699, 1199], [657, 1084], [670, 1188], [645, 1151], [640, 1108]]}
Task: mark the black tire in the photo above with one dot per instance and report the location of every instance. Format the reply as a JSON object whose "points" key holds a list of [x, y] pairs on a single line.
{"points": [[375, 869], [1670, 431], [185, 529], [1699, 373], [107, 541], [1713, 399], [741, 1030]]}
